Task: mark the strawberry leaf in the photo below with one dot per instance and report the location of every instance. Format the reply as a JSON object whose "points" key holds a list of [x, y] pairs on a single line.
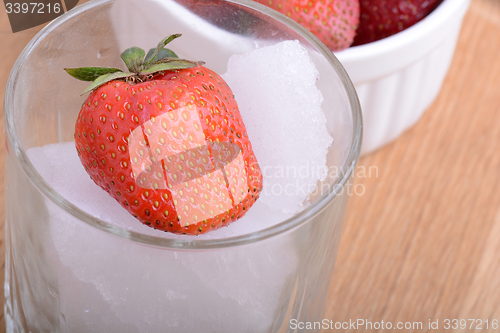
{"points": [[133, 58], [152, 55], [171, 64], [162, 54], [90, 73], [105, 79], [140, 66]]}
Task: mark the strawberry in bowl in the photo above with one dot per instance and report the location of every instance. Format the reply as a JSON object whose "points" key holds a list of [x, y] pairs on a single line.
{"points": [[334, 22], [166, 140], [384, 18]]}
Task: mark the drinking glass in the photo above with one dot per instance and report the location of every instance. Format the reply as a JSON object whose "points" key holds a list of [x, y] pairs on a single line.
{"points": [[68, 271]]}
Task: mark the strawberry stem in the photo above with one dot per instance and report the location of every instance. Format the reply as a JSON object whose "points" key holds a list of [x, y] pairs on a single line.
{"points": [[141, 67]]}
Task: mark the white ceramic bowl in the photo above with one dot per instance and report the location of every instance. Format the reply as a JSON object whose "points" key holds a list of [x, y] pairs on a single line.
{"points": [[397, 78]]}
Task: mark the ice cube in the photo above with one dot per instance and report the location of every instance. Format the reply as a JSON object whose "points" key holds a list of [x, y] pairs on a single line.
{"points": [[275, 87]]}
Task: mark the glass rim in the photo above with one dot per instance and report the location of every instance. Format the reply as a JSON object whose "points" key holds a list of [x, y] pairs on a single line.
{"points": [[192, 244]]}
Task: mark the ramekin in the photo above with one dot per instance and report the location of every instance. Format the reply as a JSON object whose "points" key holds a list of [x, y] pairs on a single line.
{"points": [[397, 78]]}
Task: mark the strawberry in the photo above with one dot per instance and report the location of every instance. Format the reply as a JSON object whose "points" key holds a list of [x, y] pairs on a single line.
{"points": [[334, 22], [167, 141], [383, 18]]}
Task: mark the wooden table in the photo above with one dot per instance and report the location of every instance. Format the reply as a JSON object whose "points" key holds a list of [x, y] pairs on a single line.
{"points": [[423, 242]]}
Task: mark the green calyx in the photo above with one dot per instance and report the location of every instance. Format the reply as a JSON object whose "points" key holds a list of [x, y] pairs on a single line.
{"points": [[141, 66]]}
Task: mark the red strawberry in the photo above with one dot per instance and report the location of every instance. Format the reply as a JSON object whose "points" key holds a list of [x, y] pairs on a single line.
{"points": [[334, 22], [167, 141], [383, 18]]}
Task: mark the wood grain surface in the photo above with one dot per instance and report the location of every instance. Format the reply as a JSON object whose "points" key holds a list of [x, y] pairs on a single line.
{"points": [[422, 244]]}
